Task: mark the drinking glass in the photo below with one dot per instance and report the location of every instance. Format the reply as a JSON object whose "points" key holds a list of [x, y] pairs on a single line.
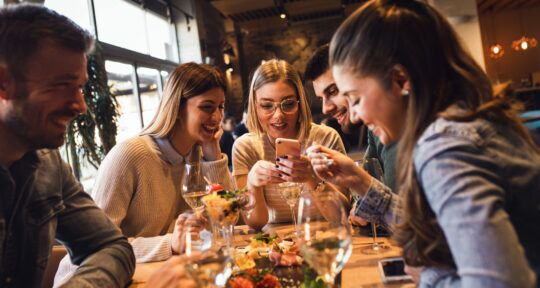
{"points": [[373, 167], [291, 191], [223, 214], [213, 267], [194, 187], [324, 233]]}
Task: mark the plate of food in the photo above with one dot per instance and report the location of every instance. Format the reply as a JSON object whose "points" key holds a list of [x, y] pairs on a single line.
{"points": [[270, 261]]}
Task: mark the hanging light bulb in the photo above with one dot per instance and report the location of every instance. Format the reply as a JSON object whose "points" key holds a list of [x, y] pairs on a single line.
{"points": [[496, 51], [524, 43]]}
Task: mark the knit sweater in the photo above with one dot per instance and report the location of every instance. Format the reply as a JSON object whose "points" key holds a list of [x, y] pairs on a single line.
{"points": [[250, 148], [139, 187]]}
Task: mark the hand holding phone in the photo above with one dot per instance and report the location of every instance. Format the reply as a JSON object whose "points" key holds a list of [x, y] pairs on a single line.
{"points": [[286, 146], [393, 270]]}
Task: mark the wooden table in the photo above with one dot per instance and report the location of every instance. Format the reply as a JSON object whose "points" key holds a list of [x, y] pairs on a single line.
{"points": [[360, 271]]}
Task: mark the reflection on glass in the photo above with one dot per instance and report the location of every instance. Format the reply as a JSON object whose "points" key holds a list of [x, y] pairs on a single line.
{"points": [[120, 80], [150, 93], [76, 10]]}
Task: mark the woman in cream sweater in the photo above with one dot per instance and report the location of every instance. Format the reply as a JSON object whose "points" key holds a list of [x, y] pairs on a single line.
{"points": [[139, 182]]}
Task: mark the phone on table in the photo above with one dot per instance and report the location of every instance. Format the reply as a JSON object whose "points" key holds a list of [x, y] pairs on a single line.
{"points": [[393, 270], [286, 146]]}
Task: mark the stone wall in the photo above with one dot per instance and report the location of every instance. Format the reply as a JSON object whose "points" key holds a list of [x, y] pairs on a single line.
{"points": [[294, 44]]}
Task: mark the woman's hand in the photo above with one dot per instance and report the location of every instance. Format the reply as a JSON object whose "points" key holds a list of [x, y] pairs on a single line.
{"points": [[264, 173], [211, 149], [338, 169], [356, 220], [297, 169], [196, 222], [172, 274], [414, 272]]}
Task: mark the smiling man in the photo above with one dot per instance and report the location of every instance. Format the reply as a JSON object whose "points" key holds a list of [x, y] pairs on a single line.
{"points": [[42, 72], [337, 106]]}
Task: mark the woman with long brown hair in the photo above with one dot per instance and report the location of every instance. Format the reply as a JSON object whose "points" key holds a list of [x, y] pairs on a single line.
{"points": [[469, 174], [139, 182]]}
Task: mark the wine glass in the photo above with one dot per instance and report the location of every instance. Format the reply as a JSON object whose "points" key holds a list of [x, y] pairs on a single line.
{"points": [[291, 191], [211, 268], [194, 187], [324, 233], [373, 167]]}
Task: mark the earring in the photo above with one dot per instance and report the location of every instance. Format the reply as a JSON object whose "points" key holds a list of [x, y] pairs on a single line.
{"points": [[405, 92]]}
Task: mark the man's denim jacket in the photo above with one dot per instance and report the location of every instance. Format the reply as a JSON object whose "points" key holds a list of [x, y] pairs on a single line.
{"points": [[482, 181], [52, 204]]}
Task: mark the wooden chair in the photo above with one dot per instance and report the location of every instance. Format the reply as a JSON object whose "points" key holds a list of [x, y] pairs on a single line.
{"points": [[58, 252]]}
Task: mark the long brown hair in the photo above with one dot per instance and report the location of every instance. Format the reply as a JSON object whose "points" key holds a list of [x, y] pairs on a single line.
{"points": [[186, 81], [374, 40]]}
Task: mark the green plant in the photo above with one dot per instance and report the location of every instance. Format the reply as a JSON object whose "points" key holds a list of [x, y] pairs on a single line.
{"points": [[100, 118]]}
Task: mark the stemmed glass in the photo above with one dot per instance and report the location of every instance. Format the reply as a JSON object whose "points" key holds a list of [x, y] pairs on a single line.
{"points": [[291, 191], [194, 186], [324, 233], [213, 267], [373, 167]]}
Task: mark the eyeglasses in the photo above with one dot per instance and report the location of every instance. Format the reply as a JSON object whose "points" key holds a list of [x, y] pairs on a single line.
{"points": [[287, 106]]}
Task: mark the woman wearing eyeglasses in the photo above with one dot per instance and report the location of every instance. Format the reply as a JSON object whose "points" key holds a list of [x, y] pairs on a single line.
{"points": [[139, 182], [277, 108]]}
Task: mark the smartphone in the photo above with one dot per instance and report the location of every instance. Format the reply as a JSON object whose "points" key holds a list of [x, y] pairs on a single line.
{"points": [[393, 270], [286, 146]]}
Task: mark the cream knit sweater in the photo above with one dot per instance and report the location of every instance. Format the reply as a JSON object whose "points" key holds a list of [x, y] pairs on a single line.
{"points": [[139, 189]]}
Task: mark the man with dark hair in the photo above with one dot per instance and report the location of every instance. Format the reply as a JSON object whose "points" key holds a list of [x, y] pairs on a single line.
{"points": [[42, 72], [336, 105], [319, 73]]}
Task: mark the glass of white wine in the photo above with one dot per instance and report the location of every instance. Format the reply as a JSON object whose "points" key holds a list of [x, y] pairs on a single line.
{"points": [[194, 187], [373, 167], [324, 233], [290, 191]]}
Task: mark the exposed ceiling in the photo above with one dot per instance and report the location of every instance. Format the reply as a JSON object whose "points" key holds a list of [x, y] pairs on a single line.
{"points": [[493, 6], [265, 14]]}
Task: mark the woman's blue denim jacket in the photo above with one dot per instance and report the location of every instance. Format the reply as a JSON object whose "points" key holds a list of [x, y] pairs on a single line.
{"points": [[482, 181]]}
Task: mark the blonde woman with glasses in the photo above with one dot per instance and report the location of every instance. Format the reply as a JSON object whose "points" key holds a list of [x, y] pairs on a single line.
{"points": [[277, 108]]}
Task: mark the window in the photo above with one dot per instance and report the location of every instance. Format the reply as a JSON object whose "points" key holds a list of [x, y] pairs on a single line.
{"points": [[121, 82], [76, 10], [149, 88], [160, 38], [126, 25]]}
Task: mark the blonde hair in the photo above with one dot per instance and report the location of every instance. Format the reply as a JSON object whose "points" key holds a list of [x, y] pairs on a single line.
{"points": [[186, 81], [269, 72]]}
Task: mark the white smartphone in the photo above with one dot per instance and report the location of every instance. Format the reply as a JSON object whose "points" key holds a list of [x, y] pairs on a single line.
{"points": [[393, 270], [286, 146]]}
